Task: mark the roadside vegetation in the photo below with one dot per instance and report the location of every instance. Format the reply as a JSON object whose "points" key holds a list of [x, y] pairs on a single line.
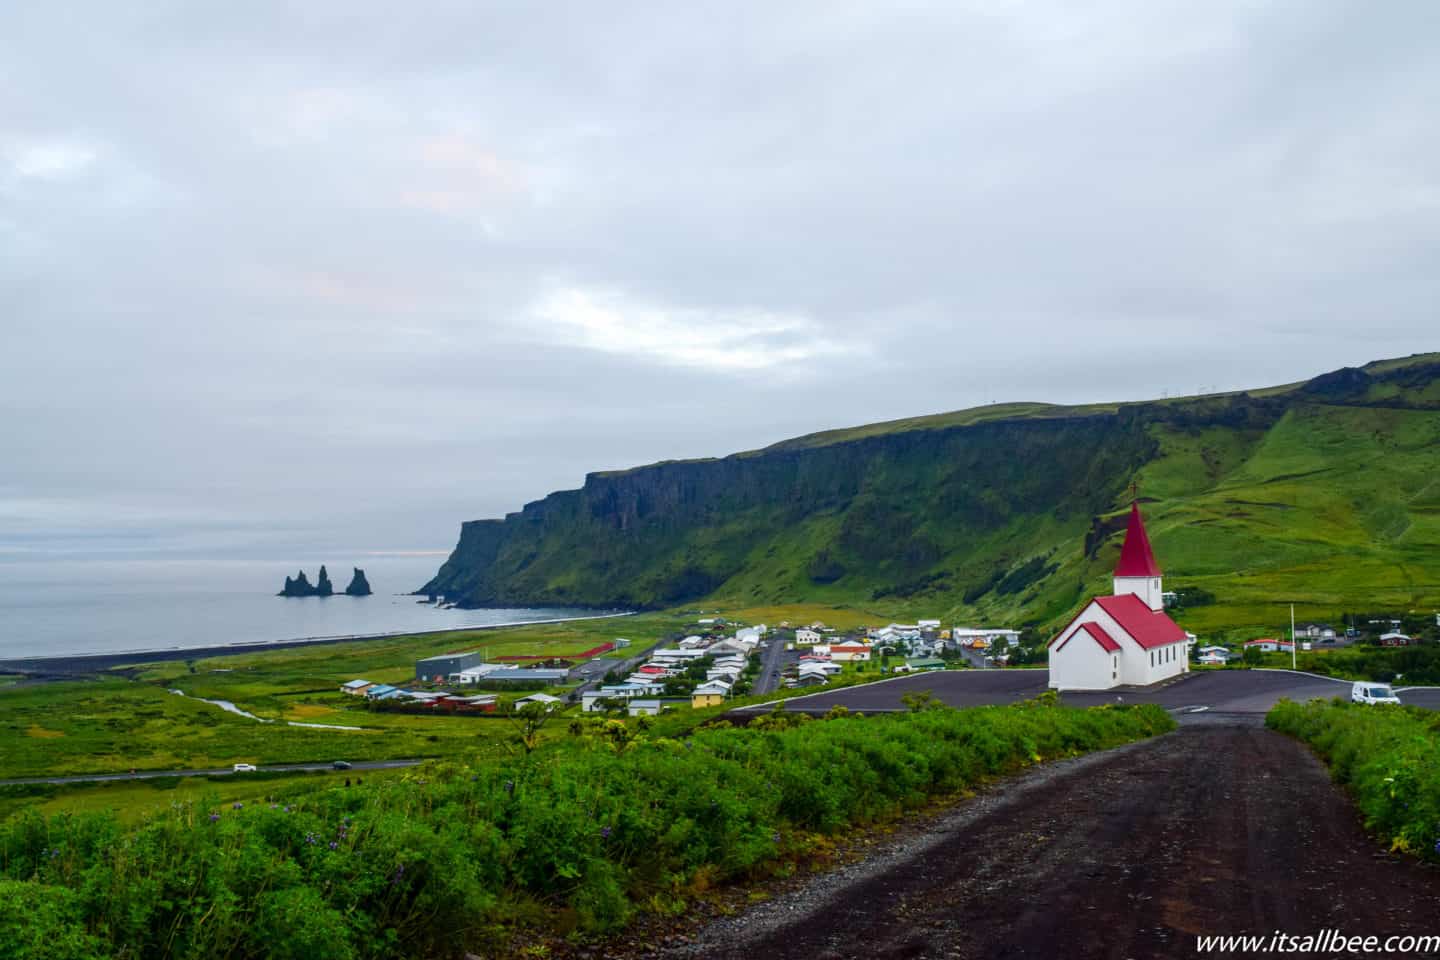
{"points": [[1387, 757], [572, 838]]}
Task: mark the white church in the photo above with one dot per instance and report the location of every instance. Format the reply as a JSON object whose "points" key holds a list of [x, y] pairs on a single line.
{"points": [[1127, 638]]}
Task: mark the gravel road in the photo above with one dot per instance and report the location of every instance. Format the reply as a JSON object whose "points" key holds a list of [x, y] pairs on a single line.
{"points": [[1132, 853]]}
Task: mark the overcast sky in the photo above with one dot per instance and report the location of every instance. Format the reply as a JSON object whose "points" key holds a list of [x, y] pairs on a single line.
{"points": [[339, 275]]}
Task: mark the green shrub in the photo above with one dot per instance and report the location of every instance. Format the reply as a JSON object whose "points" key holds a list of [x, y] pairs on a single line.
{"points": [[434, 863], [1388, 757]]}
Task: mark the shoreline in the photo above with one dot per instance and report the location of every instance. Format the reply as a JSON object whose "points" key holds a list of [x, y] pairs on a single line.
{"points": [[79, 664]]}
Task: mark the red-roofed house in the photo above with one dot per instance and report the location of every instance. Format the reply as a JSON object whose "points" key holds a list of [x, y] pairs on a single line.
{"points": [[1126, 638]]}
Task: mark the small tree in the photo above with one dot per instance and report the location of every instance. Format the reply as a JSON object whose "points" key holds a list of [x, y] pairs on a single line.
{"points": [[529, 720]]}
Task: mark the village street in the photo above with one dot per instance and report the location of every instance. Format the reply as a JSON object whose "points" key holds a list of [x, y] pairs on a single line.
{"points": [[1211, 830], [1239, 693]]}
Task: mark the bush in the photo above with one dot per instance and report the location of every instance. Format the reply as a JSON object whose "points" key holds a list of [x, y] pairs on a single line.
{"points": [[1388, 757], [437, 862]]}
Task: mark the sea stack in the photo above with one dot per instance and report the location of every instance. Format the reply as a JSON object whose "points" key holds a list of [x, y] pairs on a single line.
{"points": [[323, 587], [299, 586], [359, 586]]}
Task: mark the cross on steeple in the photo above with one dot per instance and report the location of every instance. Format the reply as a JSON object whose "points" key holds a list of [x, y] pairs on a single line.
{"points": [[1135, 489]]}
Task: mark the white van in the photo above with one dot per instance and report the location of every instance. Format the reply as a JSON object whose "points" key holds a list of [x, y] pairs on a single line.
{"points": [[1365, 692]]}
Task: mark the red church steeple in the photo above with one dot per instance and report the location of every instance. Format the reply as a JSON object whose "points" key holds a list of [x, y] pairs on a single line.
{"points": [[1136, 557]]}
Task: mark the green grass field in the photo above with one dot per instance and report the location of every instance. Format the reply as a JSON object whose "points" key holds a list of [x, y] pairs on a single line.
{"points": [[131, 720]]}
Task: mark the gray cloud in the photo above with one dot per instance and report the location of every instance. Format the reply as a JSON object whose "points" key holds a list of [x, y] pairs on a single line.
{"points": [[276, 277]]}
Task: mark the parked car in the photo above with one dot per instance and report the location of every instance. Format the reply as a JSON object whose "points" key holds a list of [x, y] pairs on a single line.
{"points": [[341, 764], [1372, 693], [245, 768]]}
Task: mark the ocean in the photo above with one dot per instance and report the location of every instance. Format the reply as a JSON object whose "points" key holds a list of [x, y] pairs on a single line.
{"points": [[58, 608]]}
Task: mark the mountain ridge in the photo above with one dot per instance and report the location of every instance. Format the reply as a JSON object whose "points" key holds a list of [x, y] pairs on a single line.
{"points": [[926, 511]]}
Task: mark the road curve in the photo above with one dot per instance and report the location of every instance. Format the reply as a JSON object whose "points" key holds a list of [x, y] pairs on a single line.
{"points": [[360, 765], [1214, 830]]}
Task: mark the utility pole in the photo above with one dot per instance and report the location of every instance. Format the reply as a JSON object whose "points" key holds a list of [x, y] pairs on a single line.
{"points": [[1292, 636]]}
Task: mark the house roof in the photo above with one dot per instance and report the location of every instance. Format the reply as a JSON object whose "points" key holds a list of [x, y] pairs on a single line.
{"points": [[1283, 643], [356, 684], [1101, 637], [1136, 557], [1149, 628]]}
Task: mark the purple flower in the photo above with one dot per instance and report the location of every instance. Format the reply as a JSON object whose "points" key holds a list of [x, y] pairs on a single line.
{"points": [[287, 808], [775, 837], [1437, 846], [237, 805], [509, 786], [605, 832], [214, 817], [311, 839], [334, 845], [274, 806]]}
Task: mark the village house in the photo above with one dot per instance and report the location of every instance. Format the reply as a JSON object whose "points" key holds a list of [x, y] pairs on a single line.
{"points": [[544, 699], [805, 637], [1395, 639], [710, 694], [1270, 645], [356, 688], [1125, 638]]}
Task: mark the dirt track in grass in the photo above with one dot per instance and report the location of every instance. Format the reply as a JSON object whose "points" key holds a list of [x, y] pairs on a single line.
{"points": [[1215, 829]]}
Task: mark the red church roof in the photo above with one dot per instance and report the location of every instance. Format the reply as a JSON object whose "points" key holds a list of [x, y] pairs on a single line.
{"points": [[1136, 557], [1098, 635], [1149, 628]]}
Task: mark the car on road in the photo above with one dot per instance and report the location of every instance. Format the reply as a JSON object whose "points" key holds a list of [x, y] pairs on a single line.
{"points": [[1372, 693], [245, 768], [341, 765]]}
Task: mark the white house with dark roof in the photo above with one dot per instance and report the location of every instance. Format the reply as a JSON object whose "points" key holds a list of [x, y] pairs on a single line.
{"points": [[1126, 638]]}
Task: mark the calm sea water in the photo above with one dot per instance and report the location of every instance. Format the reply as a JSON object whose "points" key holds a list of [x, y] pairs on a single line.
{"points": [[53, 608]]}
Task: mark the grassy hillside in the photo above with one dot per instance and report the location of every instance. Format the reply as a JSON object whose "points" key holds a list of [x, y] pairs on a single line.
{"points": [[1324, 493]]}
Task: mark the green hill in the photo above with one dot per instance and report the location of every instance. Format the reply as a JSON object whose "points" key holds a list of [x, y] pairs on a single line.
{"points": [[1324, 493]]}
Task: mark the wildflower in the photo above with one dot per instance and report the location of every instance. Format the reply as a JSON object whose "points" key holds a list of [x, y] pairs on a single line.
{"points": [[214, 817], [311, 839], [237, 805], [775, 837], [1437, 846], [274, 806], [287, 808], [509, 786], [605, 832], [334, 845]]}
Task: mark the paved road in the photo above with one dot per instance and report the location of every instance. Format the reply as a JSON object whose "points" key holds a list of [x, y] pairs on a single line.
{"points": [[772, 660], [1227, 692], [976, 658], [359, 765], [1134, 853], [591, 673]]}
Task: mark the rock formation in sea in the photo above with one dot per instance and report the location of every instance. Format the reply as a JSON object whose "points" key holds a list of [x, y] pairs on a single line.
{"points": [[323, 587], [359, 586], [299, 586]]}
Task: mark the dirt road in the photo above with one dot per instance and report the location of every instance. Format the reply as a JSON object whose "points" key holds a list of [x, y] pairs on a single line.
{"points": [[1211, 830]]}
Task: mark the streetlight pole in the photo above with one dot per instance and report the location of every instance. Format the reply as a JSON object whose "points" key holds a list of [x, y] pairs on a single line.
{"points": [[1292, 636]]}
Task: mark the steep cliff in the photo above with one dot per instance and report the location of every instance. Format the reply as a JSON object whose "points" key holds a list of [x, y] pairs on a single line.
{"points": [[998, 509]]}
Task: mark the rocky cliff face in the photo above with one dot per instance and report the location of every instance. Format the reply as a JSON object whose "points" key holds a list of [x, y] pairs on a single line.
{"points": [[297, 586], [359, 586], [938, 511]]}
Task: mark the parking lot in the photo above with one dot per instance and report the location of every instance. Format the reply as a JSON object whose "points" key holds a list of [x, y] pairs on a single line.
{"points": [[1246, 693]]}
